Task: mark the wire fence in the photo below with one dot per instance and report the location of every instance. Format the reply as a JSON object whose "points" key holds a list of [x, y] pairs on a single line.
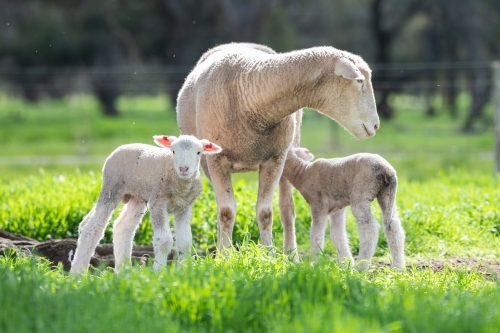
{"points": [[412, 78]]}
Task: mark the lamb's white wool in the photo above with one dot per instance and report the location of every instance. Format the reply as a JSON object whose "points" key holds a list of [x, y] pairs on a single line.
{"points": [[245, 98], [330, 185], [167, 180]]}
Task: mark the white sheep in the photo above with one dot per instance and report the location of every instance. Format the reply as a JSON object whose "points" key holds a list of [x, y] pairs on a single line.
{"points": [[244, 97], [330, 185], [144, 176]]}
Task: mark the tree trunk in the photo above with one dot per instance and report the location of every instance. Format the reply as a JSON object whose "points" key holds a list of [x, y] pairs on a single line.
{"points": [[107, 98], [480, 96]]}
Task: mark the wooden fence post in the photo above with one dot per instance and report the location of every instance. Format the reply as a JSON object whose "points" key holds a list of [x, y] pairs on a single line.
{"points": [[496, 106]]}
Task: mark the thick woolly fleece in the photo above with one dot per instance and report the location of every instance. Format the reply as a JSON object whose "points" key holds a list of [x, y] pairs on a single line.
{"points": [[244, 97], [330, 185], [165, 180]]}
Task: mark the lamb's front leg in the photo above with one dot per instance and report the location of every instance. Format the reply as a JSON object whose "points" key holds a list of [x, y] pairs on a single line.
{"points": [[183, 235], [287, 212], [163, 239], [338, 235], [317, 232], [269, 176]]}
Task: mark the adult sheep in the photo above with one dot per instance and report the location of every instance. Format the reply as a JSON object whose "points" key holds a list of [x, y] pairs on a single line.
{"points": [[244, 97]]}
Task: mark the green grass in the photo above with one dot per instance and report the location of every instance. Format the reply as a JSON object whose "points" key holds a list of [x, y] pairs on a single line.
{"points": [[246, 292], [447, 198], [454, 214], [415, 144]]}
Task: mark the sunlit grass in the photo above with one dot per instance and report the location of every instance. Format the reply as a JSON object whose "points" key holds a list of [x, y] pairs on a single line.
{"points": [[447, 198], [248, 291]]}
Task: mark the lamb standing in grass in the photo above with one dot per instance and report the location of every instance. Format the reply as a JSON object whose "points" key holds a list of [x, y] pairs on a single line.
{"points": [[245, 98], [330, 185], [142, 176]]}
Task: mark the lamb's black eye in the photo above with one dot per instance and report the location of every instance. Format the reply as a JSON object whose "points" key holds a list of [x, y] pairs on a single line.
{"points": [[199, 152], [173, 152]]}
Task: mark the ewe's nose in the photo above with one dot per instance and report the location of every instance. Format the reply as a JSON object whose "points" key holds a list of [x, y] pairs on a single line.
{"points": [[183, 170], [376, 126]]}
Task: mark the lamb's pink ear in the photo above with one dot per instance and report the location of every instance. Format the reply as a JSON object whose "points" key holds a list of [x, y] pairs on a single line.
{"points": [[164, 140], [304, 154], [345, 68], [210, 147]]}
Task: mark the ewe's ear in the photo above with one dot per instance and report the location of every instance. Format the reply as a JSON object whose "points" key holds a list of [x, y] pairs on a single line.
{"points": [[210, 148], [164, 140], [345, 68]]}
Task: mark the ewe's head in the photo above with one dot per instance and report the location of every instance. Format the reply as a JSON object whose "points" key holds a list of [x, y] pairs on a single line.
{"points": [[187, 152], [348, 96]]}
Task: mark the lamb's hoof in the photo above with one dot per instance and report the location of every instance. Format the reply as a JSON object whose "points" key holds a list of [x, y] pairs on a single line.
{"points": [[362, 265]]}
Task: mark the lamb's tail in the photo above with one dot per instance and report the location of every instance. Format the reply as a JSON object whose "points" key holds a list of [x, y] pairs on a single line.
{"points": [[387, 196]]}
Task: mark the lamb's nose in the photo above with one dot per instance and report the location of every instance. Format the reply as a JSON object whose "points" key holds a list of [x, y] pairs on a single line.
{"points": [[183, 169]]}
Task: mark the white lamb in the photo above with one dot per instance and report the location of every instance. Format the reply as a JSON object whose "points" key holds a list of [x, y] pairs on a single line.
{"points": [[245, 98], [330, 185], [145, 176]]}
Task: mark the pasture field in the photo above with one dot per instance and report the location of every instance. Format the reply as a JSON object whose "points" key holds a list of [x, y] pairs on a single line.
{"points": [[448, 199]]}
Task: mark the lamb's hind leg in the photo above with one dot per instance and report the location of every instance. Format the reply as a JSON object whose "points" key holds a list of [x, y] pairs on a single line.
{"points": [[393, 229], [163, 239], [338, 235], [124, 230], [91, 231], [368, 228]]}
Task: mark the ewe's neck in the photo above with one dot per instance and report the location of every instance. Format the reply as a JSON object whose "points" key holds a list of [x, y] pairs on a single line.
{"points": [[290, 81], [294, 170]]}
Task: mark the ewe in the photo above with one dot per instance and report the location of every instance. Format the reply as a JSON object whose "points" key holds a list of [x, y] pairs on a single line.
{"points": [[144, 176], [330, 185], [244, 97]]}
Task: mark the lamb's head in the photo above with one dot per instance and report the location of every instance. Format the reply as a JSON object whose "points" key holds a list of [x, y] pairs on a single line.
{"points": [[303, 153], [348, 97], [187, 151]]}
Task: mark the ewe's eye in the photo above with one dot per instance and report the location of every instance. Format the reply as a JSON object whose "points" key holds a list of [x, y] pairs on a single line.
{"points": [[360, 81]]}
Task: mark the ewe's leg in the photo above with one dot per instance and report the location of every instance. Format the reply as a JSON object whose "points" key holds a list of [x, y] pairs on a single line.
{"points": [[393, 231], [368, 228], [163, 239], [226, 206], [269, 176], [317, 232], [124, 230], [183, 235], [204, 166], [91, 231], [287, 212], [338, 235]]}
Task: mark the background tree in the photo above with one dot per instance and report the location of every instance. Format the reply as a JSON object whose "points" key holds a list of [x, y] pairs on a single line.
{"points": [[44, 45]]}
